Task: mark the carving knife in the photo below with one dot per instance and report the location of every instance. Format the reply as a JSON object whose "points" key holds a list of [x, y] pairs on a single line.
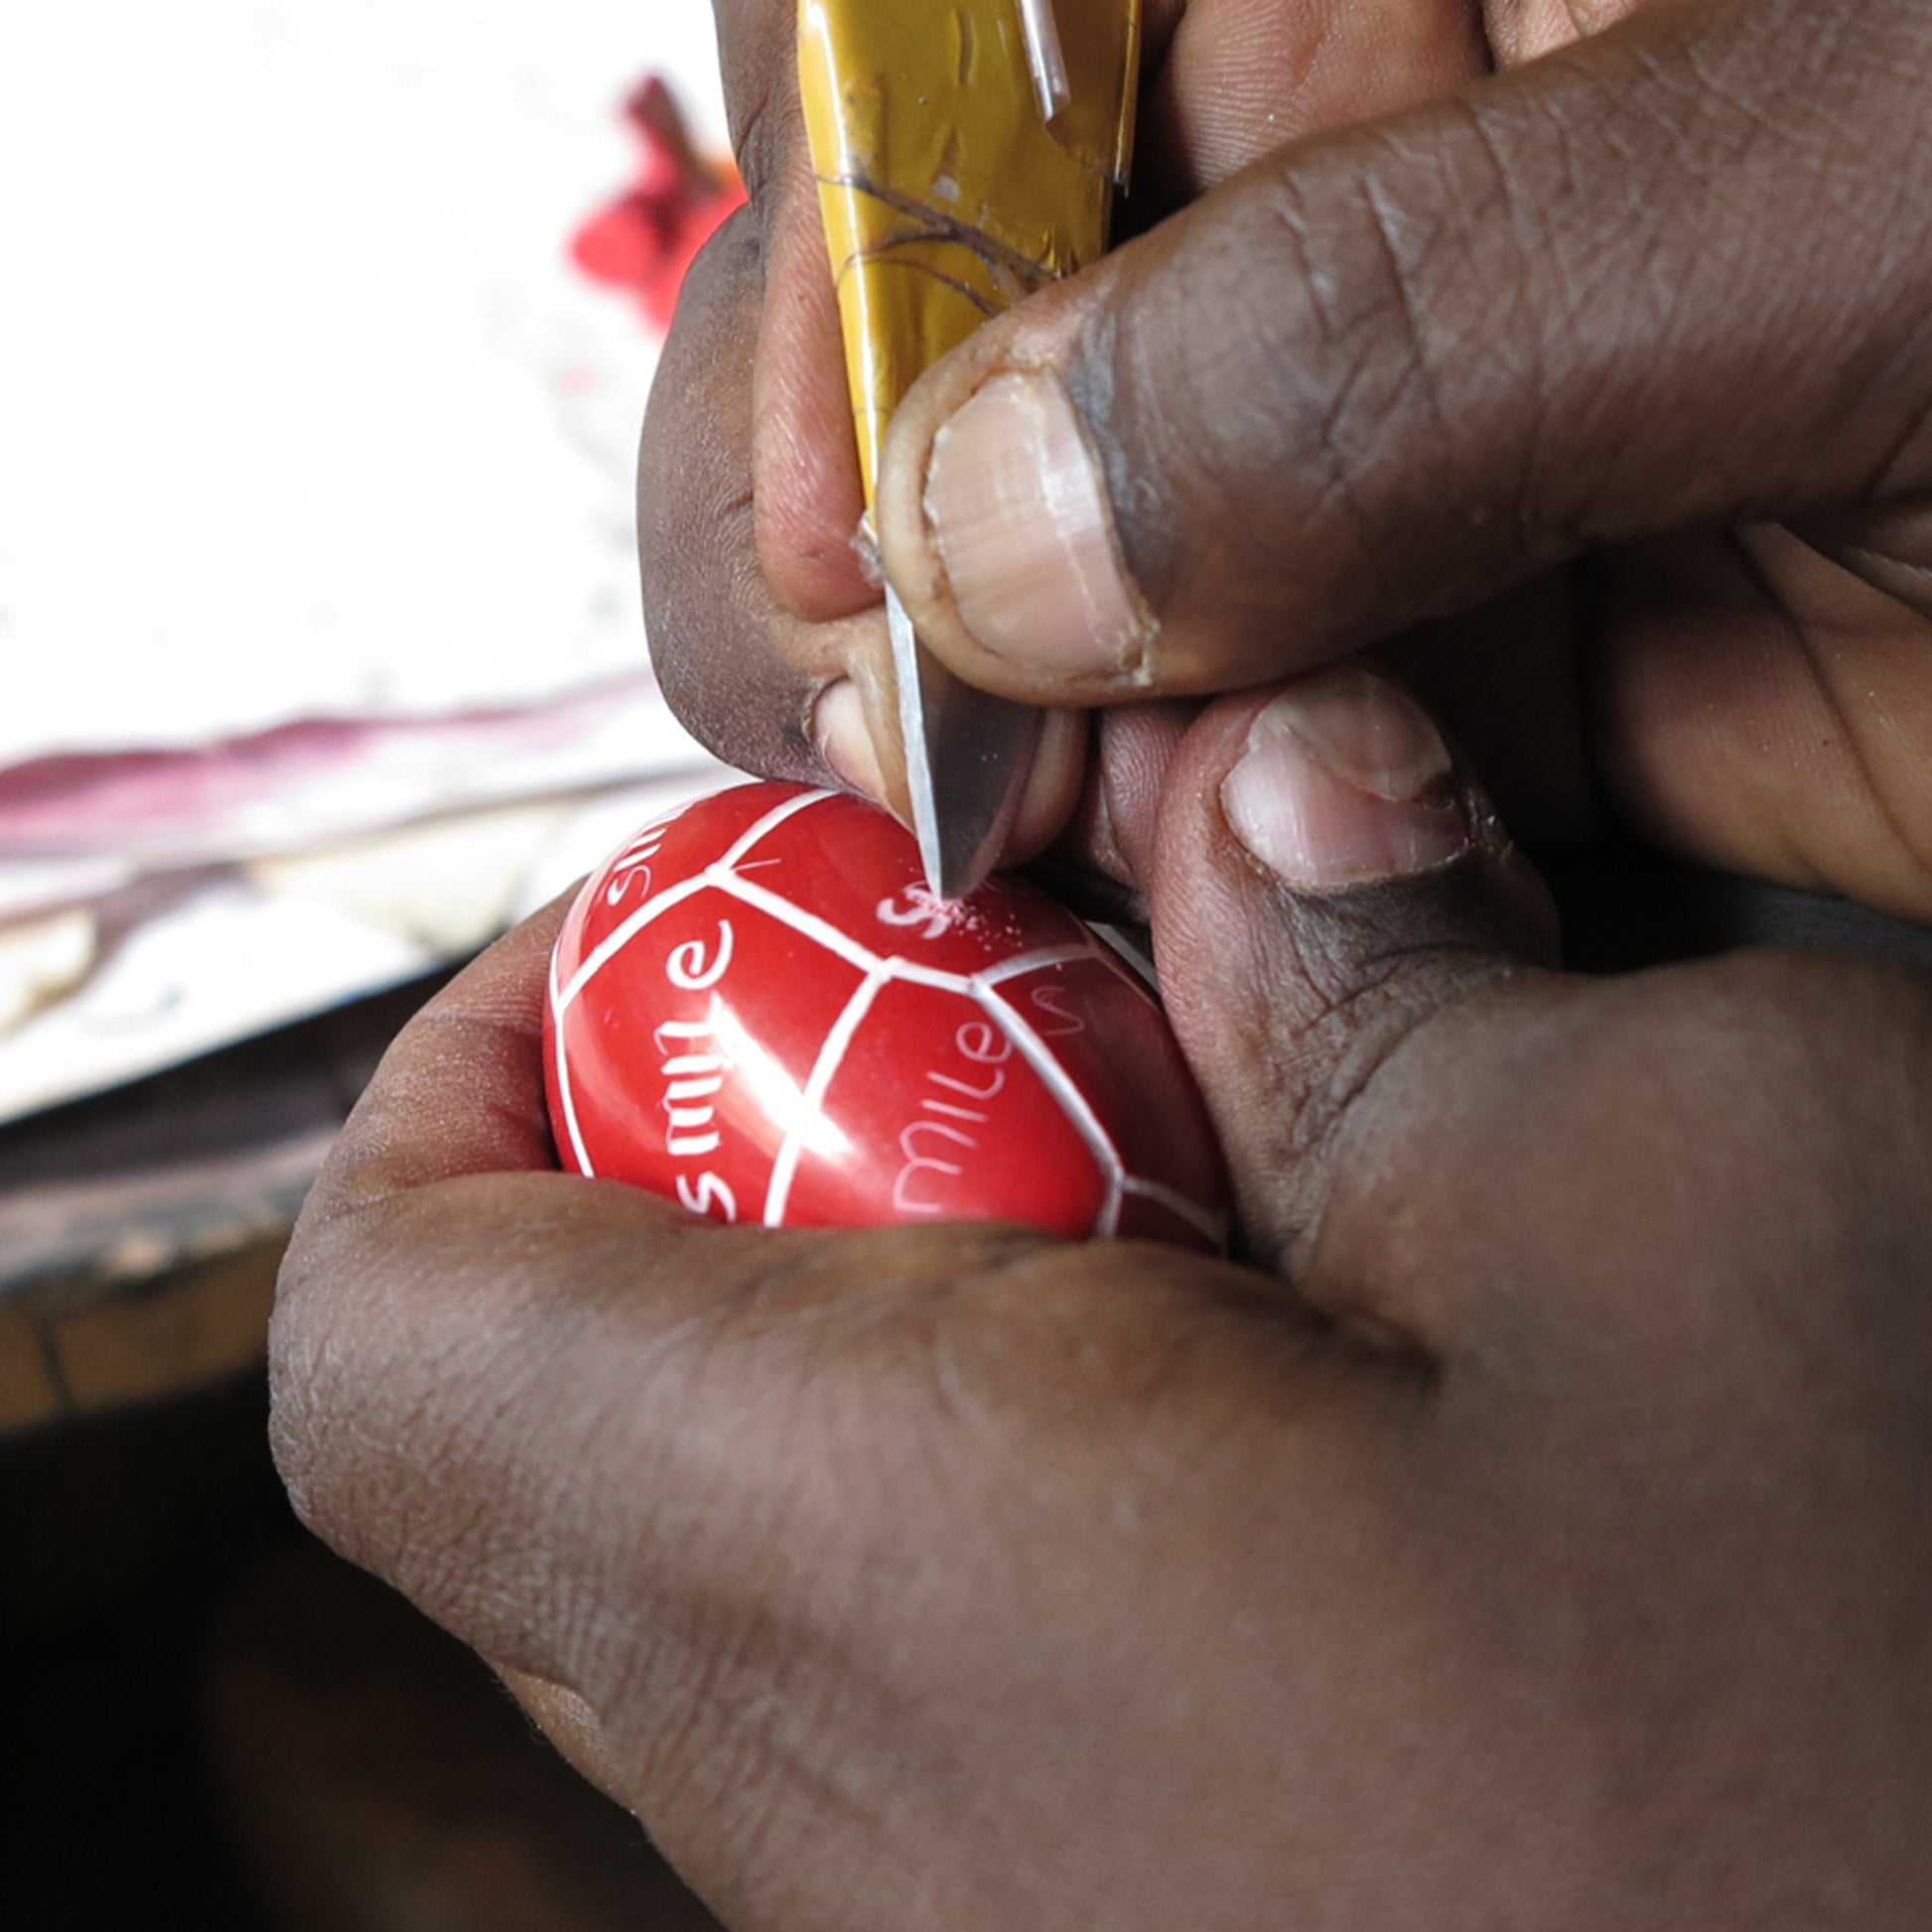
{"points": [[967, 154]]}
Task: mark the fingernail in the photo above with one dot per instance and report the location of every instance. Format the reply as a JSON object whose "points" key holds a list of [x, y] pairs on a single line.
{"points": [[1344, 781], [1020, 515], [844, 742]]}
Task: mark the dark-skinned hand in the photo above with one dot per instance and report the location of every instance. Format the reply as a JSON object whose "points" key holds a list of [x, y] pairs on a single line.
{"points": [[1447, 297], [1529, 1532]]}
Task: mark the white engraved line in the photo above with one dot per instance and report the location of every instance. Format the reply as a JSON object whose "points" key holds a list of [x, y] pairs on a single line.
{"points": [[614, 944], [945, 980], [808, 925], [1108, 1224], [936, 977], [768, 824], [1036, 962], [1214, 1226], [831, 1056], [563, 1076], [1073, 1103], [719, 875]]}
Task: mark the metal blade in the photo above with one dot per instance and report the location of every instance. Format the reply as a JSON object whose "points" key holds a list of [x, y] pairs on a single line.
{"points": [[968, 757], [958, 173], [1046, 57]]}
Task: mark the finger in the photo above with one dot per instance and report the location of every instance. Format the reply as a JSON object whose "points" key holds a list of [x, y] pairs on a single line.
{"points": [[1328, 887], [795, 686], [744, 674], [1446, 1144], [1526, 29], [765, 619], [706, 1495], [488, 1117], [716, 1489], [804, 464], [1227, 80], [573, 1726], [768, 641], [1230, 81], [1389, 372], [1767, 712]]}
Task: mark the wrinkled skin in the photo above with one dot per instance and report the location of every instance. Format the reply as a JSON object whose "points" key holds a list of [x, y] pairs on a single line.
{"points": [[1530, 1536], [1529, 1531], [1666, 282]]}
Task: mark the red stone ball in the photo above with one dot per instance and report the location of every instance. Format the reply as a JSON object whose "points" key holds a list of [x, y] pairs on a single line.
{"points": [[758, 1008]]}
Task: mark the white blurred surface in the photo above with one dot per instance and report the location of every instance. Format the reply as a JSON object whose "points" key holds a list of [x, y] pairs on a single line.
{"points": [[305, 415], [301, 409]]}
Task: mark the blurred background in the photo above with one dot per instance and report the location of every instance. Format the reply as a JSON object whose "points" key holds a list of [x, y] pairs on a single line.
{"points": [[324, 335]]}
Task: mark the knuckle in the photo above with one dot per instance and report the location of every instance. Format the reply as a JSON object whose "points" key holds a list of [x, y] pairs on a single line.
{"points": [[1285, 378], [1381, 1003]]}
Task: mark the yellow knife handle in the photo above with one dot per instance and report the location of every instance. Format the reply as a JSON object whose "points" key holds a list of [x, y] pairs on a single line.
{"points": [[949, 196]]}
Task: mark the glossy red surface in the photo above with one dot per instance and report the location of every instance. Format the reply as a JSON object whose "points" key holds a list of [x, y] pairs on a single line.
{"points": [[758, 1008]]}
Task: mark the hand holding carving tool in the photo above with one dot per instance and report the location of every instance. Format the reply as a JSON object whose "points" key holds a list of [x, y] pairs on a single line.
{"points": [[967, 154]]}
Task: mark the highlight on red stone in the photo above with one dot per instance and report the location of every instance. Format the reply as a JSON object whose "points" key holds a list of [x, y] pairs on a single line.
{"points": [[758, 1008], [645, 240]]}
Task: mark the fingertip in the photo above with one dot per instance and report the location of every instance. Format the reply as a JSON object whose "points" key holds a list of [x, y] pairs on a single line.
{"points": [[843, 733], [994, 522], [1343, 780], [1328, 879], [1053, 786], [1017, 508]]}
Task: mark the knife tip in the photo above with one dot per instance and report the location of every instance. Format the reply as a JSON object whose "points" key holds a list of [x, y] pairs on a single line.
{"points": [[954, 870]]}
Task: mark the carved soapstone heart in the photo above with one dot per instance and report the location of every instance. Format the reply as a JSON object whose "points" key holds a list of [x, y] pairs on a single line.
{"points": [[758, 1008]]}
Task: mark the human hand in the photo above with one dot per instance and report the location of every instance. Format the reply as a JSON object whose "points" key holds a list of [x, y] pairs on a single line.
{"points": [[1531, 1534], [769, 638], [1653, 302]]}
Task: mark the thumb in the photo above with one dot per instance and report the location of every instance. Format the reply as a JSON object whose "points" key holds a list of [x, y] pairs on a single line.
{"points": [[1637, 286], [1326, 882]]}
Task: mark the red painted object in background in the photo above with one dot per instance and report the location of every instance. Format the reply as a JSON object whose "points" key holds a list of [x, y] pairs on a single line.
{"points": [[645, 240], [757, 1009]]}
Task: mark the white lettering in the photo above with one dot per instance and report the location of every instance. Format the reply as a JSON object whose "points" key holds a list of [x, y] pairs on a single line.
{"points": [[982, 1044], [918, 1164], [971, 1092], [950, 1112], [915, 905], [633, 866], [686, 1029], [705, 1193], [694, 1089], [1045, 1000], [688, 1063], [985, 1046], [693, 1080], [687, 967]]}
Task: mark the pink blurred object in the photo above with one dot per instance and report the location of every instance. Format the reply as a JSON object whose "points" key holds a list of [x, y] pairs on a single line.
{"points": [[644, 241], [322, 778]]}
